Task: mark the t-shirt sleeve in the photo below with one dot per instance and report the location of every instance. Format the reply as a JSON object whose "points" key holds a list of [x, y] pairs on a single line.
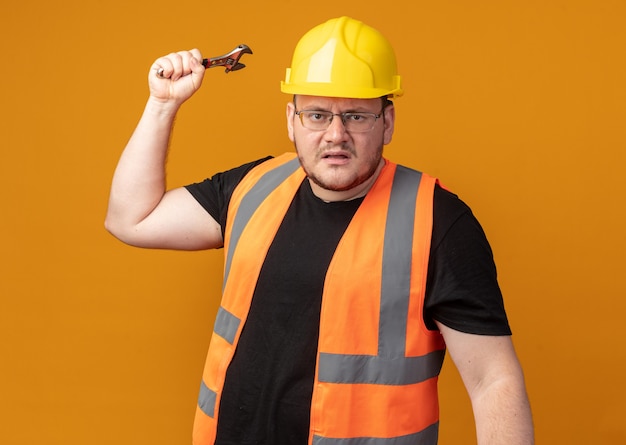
{"points": [[462, 290], [214, 193]]}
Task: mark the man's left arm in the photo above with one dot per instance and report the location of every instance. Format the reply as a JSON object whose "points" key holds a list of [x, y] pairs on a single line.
{"points": [[495, 383]]}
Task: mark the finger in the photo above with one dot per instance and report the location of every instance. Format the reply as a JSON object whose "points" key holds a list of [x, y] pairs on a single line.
{"points": [[160, 72], [197, 67], [190, 60], [197, 73], [196, 54], [178, 68], [163, 67], [169, 67], [176, 65]]}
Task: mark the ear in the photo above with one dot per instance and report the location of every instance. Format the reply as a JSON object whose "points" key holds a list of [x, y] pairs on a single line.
{"points": [[291, 113], [390, 121]]}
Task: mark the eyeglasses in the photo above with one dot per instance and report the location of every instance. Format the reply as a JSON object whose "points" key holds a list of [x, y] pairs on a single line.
{"points": [[354, 122]]}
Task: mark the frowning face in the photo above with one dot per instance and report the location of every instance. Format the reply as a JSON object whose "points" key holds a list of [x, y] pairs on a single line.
{"points": [[340, 164]]}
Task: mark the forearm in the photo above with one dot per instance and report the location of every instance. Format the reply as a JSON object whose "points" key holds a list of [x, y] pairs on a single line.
{"points": [[502, 413], [139, 180], [494, 381]]}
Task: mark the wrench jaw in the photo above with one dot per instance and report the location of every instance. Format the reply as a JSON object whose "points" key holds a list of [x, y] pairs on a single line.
{"points": [[230, 61]]}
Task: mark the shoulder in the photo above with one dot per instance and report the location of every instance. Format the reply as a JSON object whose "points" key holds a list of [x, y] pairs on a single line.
{"points": [[448, 210], [214, 193], [223, 183], [462, 286]]}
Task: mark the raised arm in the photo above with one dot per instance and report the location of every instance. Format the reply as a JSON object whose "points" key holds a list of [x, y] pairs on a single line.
{"points": [[141, 212], [494, 380]]}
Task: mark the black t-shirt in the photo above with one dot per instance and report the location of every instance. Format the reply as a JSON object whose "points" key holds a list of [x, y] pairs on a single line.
{"points": [[268, 387]]}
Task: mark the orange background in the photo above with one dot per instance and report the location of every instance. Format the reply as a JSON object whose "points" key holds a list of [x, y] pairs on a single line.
{"points": [[519, 107]]}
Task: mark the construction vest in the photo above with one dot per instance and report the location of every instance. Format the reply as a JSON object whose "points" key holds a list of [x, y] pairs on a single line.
{"points": [[377, 363]]}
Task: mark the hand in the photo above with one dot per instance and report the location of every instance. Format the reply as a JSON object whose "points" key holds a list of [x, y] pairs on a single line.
{"points": [[180, 76]]}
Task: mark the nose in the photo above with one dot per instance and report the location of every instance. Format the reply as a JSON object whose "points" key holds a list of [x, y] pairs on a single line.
{"points": [[336, 131]]}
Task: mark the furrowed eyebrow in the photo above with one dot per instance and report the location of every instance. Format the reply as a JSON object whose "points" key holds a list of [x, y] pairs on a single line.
{"points": [[342, 112], [315, 106], [315, 109]]}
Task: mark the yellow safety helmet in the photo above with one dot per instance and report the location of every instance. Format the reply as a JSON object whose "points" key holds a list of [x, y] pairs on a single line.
{"points": [[343, 58]]}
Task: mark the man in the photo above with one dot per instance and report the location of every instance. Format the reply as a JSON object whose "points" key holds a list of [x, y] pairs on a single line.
{"points": [[346, 276]]}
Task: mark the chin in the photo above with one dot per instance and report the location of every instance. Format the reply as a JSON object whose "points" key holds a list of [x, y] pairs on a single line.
{"points": [[338, 185]]}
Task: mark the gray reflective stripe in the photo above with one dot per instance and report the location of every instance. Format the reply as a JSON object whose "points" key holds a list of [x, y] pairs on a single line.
{"points": [[397, 255], [390, 366], [338, 368], [251, 201], [206, 400], [427, 436], [226, 325]]}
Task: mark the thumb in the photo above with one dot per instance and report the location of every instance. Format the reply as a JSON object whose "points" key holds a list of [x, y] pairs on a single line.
{"points": [[197, 71]]}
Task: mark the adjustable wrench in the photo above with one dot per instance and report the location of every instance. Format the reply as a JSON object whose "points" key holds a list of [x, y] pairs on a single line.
{"points": [[230, 60]]}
